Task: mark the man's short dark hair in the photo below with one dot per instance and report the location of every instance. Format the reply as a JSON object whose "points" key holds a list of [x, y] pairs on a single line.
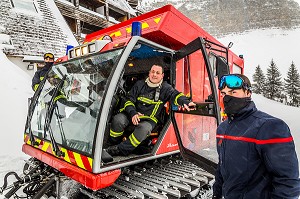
{"points": [[159, 65], [246, 81]]}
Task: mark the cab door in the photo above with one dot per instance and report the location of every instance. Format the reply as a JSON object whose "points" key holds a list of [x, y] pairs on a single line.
{"points": [[196, 130]]}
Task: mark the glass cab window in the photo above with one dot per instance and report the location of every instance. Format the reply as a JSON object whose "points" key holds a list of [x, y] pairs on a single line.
{"points": [[213, 62], [75, 89], [197, 130], [236, 69]]}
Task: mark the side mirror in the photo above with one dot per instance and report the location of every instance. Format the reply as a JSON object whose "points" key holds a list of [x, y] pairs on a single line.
{"points": [[222, 67]]}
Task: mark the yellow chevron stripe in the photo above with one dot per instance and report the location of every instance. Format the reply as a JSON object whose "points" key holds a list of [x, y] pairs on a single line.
{"points": [[38, 141], [145, 25], [67, 158], [116, 34], [45, 146], [91, 162], [128, 30], [78, 160], [157, 20], [52, 150], [28, 141]]}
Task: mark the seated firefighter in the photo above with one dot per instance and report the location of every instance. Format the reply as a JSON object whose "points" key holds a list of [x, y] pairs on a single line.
{"points": [[142, 108]]}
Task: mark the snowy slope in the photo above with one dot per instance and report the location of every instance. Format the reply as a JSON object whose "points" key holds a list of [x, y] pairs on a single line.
{"points": [[260, 46], [288, 114], [15, 90]]}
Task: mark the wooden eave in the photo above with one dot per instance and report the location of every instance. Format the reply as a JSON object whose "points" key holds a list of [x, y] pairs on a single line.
{"points": [[87, 17]]}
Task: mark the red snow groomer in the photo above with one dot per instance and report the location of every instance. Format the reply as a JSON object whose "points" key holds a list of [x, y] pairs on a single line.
{"points": [[69, 116]]}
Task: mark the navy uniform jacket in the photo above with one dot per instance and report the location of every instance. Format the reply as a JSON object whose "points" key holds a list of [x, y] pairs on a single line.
{"points": [[141, 99], [257, 158], [38, 77]]}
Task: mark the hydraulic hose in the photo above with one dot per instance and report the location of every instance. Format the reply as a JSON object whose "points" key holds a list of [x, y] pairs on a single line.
{"points": [[6, 176], [12, 191], [45, 188]]}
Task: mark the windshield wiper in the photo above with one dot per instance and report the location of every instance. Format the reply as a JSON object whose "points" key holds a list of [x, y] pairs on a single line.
{"points": [[61, 129], [49, 113]]}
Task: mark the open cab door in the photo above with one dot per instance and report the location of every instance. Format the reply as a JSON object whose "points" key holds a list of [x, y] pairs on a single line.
{"points": [[196, 130]]}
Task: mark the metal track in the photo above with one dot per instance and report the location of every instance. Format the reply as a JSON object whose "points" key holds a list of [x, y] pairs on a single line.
{"points": [[162, 179]]}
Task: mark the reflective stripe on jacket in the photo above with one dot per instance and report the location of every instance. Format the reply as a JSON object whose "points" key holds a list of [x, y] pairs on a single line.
{"points": [[141, 99], [38, 77]]}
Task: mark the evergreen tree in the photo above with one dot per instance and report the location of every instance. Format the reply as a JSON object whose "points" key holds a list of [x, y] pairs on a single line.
{"points": [[273, 86], [292, 85], [259, 81]]}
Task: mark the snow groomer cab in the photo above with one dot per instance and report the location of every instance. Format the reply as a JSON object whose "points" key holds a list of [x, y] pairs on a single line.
{"points": [[70, 114]]}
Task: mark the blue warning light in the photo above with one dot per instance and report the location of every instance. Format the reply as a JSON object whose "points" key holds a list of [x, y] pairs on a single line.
{"points": [[136, 28]]}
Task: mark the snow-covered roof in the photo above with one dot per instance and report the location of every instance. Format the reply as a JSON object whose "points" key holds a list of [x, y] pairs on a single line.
{"points": [[92, 12], [35, 59], [4, 39], [123, 5], [67, 2], [2, 28], [5, 42], [33, 33]]}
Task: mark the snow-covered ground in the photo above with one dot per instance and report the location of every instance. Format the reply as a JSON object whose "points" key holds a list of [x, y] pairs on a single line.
{"points": [[257, 47], [15, 90]]}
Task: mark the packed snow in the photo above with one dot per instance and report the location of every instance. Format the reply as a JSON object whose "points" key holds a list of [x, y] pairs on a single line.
{"points": [[15, 88], [259, 47]]}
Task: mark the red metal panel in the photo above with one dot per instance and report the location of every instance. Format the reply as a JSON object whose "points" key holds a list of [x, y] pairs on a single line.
{"points": [[172, 30], [169, 142], [122, 26], [90, 180]]}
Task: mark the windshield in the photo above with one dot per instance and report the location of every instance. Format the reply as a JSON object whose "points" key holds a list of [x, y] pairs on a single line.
{"points": [[77, 100]]}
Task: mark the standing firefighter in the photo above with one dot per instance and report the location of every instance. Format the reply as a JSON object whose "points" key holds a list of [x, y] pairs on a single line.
{"points": [[257, 157], [40, 73], [142, 108]]}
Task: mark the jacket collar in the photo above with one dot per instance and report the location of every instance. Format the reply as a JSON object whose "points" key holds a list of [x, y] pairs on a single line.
{"points": [[245, 112]]}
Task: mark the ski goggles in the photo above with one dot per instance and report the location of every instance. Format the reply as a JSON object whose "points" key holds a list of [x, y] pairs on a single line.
{"points": [[48, 55], [232, 82]]}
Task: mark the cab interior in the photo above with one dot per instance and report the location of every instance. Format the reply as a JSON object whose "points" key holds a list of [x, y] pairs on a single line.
{"points": [[136, 68]]}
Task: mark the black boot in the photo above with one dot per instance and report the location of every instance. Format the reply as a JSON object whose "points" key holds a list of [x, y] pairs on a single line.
{"points": [[113, 150]]}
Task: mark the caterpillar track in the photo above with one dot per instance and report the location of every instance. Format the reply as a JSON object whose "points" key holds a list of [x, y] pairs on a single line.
{"points": [[161, 179]]}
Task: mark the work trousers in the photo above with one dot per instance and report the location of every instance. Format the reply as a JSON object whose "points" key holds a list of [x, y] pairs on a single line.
{"points": [[140, 133]]}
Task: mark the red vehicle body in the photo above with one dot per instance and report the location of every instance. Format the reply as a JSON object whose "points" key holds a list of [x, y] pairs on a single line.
{"points": [[195, 61]]}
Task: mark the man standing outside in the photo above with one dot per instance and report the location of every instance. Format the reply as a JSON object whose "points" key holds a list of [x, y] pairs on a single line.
{"points": [[40, 74], [257, 157], [142, 108]]}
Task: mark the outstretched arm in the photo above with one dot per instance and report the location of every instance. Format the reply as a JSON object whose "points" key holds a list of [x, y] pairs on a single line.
{"points": [[179, 98]]}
